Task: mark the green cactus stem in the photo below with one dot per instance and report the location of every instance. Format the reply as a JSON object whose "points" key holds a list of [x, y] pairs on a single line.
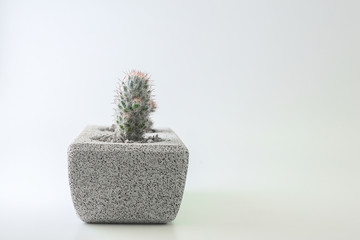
{"points": [[134, 104]]}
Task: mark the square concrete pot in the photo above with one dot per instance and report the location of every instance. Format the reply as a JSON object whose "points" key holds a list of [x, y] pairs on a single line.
{"points": [[127, 182]]}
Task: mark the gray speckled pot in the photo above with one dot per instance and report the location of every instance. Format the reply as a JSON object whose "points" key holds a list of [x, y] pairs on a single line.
{"points": [[127, 182]]}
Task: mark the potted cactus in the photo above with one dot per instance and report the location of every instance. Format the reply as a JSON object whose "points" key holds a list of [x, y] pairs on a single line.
{"points": [[129, 172]]}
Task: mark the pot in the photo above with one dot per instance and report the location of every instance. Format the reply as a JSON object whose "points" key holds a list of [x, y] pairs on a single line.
{"points": [[127, 182]]}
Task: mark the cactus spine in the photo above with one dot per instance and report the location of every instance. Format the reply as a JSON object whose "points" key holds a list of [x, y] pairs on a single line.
{"points": [[134, 104]]}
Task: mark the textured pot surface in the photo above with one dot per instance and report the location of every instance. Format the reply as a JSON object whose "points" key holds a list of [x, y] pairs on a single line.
{"points": [[127, 182]]}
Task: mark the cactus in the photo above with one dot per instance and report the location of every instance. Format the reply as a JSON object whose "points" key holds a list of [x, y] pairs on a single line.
{"points": [[134, 104]]}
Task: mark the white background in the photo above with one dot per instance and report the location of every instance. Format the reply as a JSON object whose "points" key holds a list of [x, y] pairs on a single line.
{"points": [[265, 94]]}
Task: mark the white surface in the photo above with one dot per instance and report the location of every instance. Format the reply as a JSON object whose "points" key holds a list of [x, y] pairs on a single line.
{"points": [[265, 94], [247, 215]]}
